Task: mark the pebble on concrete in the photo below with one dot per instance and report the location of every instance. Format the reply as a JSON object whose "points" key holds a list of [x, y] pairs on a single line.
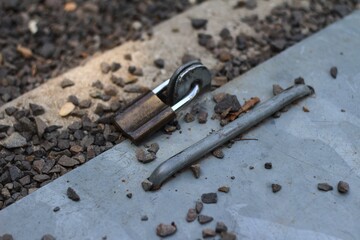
{"points": [[164, 230], [334, 72], [198, 206], [224, 189], [209, 198], [195, 170], [204, 219], [207, 232], [72, 194], [343, 187], [221, 227], [191, 215], [218, 153], [275, 187], [325, 187]]}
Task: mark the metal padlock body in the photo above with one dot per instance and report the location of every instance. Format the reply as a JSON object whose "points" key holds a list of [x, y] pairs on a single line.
{"points": [[149, 113]]}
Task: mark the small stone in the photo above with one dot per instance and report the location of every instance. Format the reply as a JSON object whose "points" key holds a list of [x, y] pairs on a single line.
{"points": [[278, 44], [56, 209], [110, 91], [144, 157], [218, 153], [228, 236], [10, 110], [191, 215], [159, 63], [195, 170], [324, 187], [209, 198], [189, 117], [86, 103], [251, 4], [343, 187], [66, 83], [128, 57], [188, 58], [268, 165], [97, 84], [4, 128], [219, 97], [198, 23], [118, 81], [275, 187], [25, 180], [41, 178], [233, 177], [105, 67], [7, 236], [36, 109], [219, 81], [48, 237], [129, 195], [146, 185], [73, 99], [305, 109], [221, 227], [229, 101], [202, 117], [144, 218], [154, 148], [333, 72], [277, 89], [224, 189], [72, 194], [299, 80], [47, 50], [15, 140], [15, 173], [198, 206], [207, 232], [169, 128], [164, 230], [224, 56], [66, 109], [66, 161], [204, 219], [115, 66]]}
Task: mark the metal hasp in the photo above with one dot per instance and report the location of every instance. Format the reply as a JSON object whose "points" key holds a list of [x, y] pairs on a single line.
{"points": [[191, 154], [155, 108]]}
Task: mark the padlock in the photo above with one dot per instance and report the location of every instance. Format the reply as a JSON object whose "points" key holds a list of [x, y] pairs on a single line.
{"points": [[156, 108]]}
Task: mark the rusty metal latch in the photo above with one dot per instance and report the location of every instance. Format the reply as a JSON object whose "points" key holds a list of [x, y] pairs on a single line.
{"points": [[154, 109]]}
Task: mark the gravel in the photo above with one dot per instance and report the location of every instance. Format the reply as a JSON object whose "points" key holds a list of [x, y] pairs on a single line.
{"points": [[202, 219], [333, 72], [209, 198], [324, 187], [164, 230], [275, 187], [42, 39], [191, 215], [72, 194], [343, 187]]}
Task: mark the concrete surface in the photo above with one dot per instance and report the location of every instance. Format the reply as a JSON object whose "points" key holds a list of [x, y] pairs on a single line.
{"points": [[165, 44], [304, 148]]}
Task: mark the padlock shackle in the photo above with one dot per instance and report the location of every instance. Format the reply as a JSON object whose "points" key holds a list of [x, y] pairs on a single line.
{"points": [[195, 91], [161, 87]]}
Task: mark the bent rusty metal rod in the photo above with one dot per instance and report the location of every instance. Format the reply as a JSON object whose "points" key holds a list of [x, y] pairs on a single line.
{"points": [[193, 153]]}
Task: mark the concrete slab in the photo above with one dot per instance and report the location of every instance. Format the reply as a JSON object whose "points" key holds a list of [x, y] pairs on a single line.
{"points": [[305, 149], [165, 44]]}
